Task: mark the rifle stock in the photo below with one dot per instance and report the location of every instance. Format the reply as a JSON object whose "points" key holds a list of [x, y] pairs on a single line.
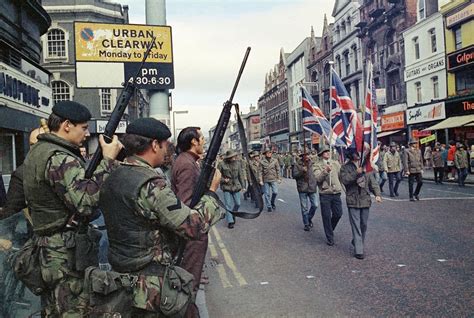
{"points": [[207, 169]]}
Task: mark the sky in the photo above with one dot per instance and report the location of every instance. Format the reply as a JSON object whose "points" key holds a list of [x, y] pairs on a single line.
{"points": [[209, 42]]}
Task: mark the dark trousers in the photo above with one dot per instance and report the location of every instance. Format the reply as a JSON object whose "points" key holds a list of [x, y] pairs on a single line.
{"points": [[331, 212], [411, 180], [193, 262], [394, 177], [358, 218], [438, 174], [462, 175]]}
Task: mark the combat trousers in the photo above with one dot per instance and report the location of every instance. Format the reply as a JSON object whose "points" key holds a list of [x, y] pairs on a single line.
{"points": [[394, 176], [306, 213], [331, 212], [411, 180], [358, 218], [193, 261]]}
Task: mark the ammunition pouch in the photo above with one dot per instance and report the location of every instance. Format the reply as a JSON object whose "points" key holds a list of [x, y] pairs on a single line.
{"points": [[110, 293], [26, 266], [176, 291], [86, 244]]}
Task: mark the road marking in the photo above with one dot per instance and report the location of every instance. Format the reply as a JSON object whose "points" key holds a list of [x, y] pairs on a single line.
{"points": [[220, 268], [264, 283], [228, 259], [309, 276], [450, 191], [430, 199], [442, 260], [281, 200], [401, 265]]}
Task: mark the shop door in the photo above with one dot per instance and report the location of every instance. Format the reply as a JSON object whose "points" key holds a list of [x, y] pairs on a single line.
{"points": [[7, 157]]}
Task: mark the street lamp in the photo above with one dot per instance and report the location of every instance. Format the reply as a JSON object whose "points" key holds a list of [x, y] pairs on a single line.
{"points": [[174, 123]]}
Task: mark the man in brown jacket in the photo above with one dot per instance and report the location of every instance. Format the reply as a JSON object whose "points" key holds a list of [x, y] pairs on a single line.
{"points": [[438, 164], [184, 177], [413, 163], [391, 163]]}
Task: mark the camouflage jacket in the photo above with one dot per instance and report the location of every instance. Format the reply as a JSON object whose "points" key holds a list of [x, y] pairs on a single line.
{"points": [[461, 159], [254, 165], [232, 175]]}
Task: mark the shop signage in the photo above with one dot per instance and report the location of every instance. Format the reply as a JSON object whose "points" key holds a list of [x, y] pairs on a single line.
{"points": [[100, 126], [461, 58], [464, 14], [255, 120], [426, 113], [23, 92], [427, 139], [416, 134], [103, 49], [393, 121], [380, 95], [462, 107], [315, 138], [418, 71]]}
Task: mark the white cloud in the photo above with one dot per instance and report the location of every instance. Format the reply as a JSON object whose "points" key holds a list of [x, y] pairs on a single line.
{"points": [[209, 48]]}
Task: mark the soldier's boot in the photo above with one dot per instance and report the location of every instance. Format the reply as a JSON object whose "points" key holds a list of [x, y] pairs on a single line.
{"points": [[273, 200]]}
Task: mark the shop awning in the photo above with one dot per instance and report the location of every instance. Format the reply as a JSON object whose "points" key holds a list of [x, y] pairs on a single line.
{"points": [[387, 133], [453, 122]]}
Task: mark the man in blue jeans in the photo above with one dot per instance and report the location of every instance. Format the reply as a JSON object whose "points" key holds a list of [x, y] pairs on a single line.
{"points": [[307, 187], [270, 170], [231, 183]]}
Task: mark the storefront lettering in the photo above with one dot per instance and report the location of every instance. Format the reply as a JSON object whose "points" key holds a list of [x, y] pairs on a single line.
{"points": [[16, 89], [414, 115], [468, 106], [465, 58], [461, 58], [424, 69]]}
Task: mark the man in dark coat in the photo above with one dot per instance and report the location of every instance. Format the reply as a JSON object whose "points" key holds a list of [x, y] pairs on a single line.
{"points": [[307, 187], [358, 185]]}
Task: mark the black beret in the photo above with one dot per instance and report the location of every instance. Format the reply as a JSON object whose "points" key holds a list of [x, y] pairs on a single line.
{"points": [[72, 111], [149, 127]]}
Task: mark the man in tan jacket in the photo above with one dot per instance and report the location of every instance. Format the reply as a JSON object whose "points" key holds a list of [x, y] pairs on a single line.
{"points": [[391, 163], [326, 172], [413, 166]]}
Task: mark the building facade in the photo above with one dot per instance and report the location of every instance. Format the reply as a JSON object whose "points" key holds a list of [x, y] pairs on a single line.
{"points": [[347, 53], [296, 73], [381, 25], [425, 71], [58, 57], [273, 107], [25, 92]]}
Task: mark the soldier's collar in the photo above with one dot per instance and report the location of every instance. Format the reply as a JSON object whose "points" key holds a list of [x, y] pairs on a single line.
{"points": [[136, 161]]}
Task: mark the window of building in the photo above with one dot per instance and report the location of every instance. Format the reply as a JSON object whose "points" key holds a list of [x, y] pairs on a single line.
{"points": [[393, 44], [61, 91], [56, 47], [457, 38], [393, 81], [338, 64], [416, 46], [348, 24], [418, 92], [357, 92], [356, 58], [347, 62], [434, 80], [421, 9], [105, 100], [343, 28], [465, 80], [432, 34]]}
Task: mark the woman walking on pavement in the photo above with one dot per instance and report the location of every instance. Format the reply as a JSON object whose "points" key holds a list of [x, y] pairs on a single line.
{"points": [[358, 185]]}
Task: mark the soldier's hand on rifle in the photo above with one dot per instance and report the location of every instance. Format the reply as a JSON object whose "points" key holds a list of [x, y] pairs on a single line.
{"points": [[216, 180], [328, 168], [110, 150]]}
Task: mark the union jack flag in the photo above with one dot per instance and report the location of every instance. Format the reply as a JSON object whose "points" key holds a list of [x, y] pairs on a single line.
{"points": [[370, 121], [345, 123], [314, 119]]}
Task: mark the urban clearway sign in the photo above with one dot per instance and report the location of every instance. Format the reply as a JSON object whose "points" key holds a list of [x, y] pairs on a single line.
{"points": [[107, 55]]}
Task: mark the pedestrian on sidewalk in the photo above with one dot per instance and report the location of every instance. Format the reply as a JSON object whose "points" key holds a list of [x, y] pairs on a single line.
{"points": [[231, 183], [413, 164], [471, 158], [382, 172], [359, 184], [307, 187], [428, 157], [270, 170], [438, 164], [450, 159], [327, 175], [391, 163], [461, 163]]}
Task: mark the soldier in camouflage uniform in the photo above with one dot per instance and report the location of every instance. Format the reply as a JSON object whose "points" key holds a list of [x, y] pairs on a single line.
{"points": [[55, 189], [254, 165], [144, 217], [231, 183]]}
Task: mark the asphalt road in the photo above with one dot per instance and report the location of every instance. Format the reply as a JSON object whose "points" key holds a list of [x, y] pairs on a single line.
{"points": [[419, 261]]}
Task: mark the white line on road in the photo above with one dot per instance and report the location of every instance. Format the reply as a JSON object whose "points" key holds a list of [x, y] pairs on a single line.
{"points": [[264, 283], [401, 265], [430, 199], [281, 200], [449, 191], [442, 260], [309, 276]]}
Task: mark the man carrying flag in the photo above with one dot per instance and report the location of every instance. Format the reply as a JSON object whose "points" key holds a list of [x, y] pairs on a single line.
{"points": [[370, 123]]}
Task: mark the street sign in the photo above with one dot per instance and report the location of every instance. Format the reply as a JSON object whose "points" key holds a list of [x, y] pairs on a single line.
{"points": [[427, 139], [107, 55]]}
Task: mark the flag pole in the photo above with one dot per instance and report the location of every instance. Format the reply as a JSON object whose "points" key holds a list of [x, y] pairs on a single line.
{"points": [[330, 114]]}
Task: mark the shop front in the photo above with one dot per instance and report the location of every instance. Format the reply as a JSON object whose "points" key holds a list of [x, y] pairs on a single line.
{"points": [[280, 140], [392, 128], [422, 117], [25, 98]]}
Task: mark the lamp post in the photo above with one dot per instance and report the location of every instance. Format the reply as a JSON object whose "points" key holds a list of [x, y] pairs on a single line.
{"points": [[174, 121]]}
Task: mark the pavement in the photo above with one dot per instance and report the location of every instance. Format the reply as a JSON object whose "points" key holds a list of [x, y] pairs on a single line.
{"points": [[428, 174], [419, 260]]}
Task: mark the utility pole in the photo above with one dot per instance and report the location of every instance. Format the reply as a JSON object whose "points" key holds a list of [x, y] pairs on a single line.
{"points": [[159, 99]]}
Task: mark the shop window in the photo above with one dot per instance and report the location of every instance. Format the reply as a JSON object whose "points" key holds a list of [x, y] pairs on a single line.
{"points": [[457, 38], [61, 91], [465, 80], [56, 47], [418, 92], [434, 81], [432, 34], [416, 46]]}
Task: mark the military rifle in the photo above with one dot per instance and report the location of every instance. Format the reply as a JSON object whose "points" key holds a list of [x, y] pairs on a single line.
{"points": [[117, 113]]}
